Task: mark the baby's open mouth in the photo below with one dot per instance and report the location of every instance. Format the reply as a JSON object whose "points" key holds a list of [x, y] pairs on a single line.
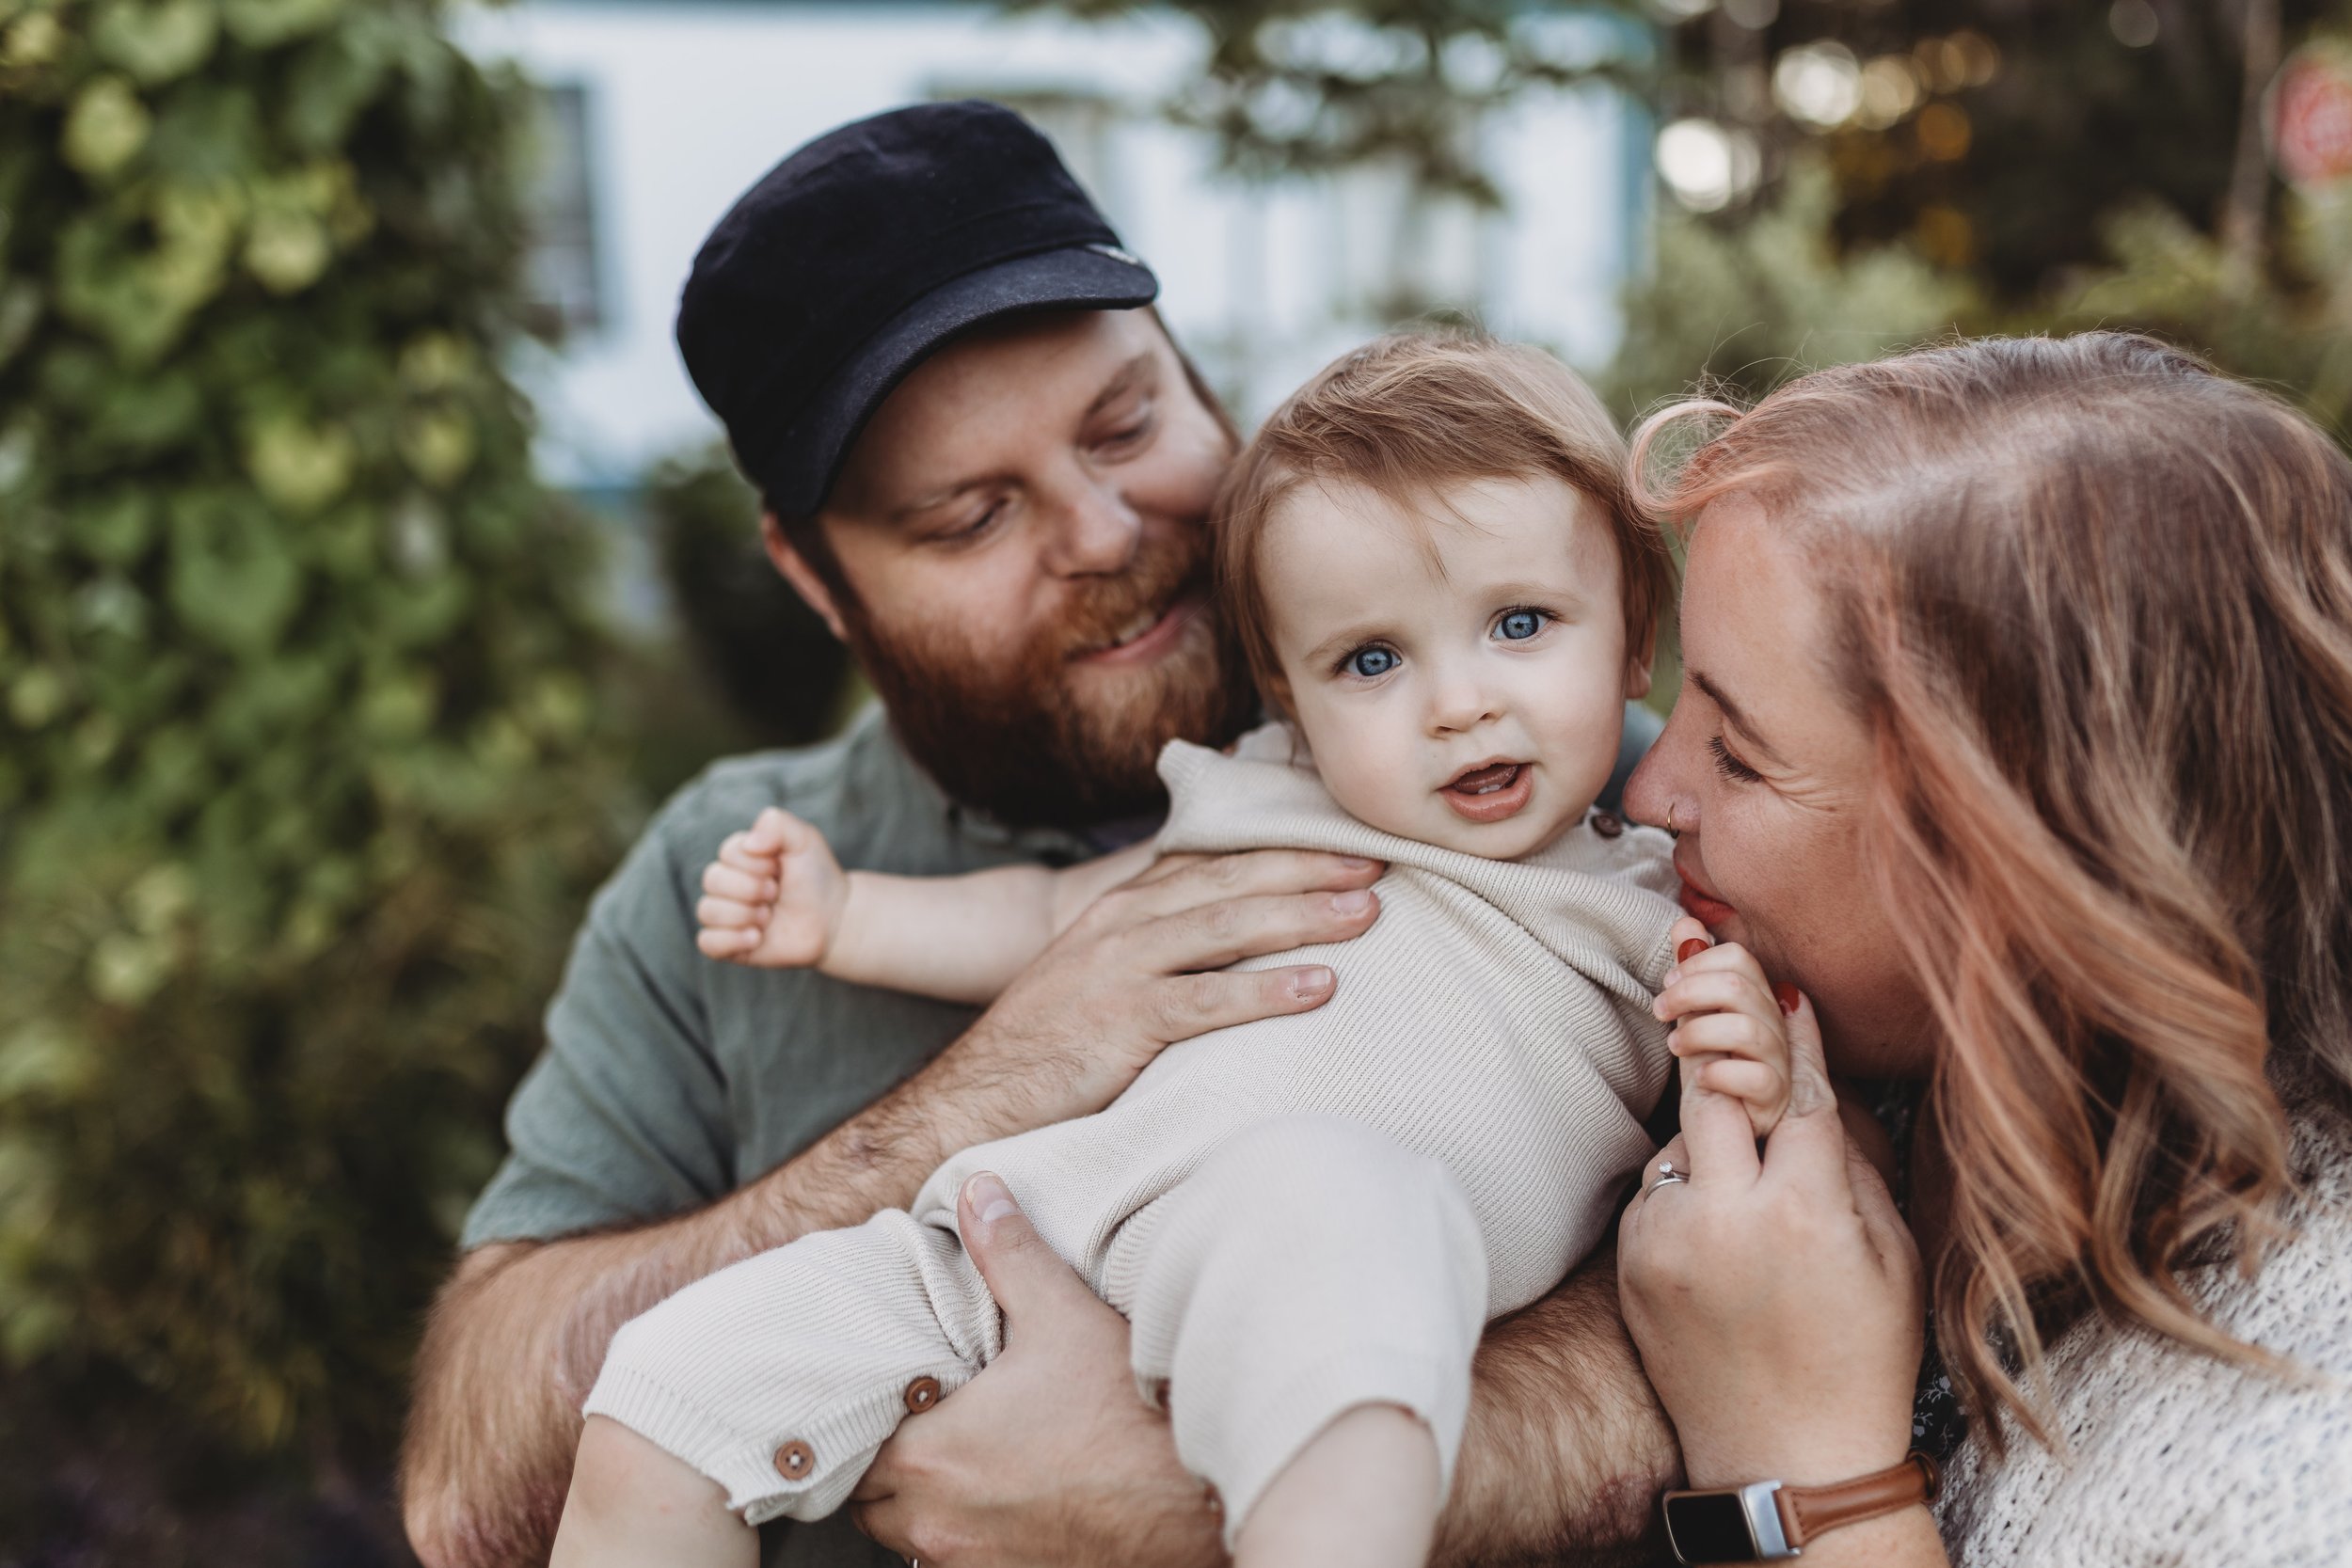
{"points": [[1491, 791]]}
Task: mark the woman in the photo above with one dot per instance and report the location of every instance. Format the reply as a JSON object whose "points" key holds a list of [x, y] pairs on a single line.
{"points": [[2016, 731]]}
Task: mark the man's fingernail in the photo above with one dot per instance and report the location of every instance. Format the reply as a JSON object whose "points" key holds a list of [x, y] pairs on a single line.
{"points": [[1352, 903], [1691, 948], [1786, 995], [1310, 983], [1355, 862], [990, 1198]]}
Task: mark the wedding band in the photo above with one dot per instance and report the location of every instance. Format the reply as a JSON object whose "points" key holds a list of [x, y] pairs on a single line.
{"points": [[1667, 1177]]}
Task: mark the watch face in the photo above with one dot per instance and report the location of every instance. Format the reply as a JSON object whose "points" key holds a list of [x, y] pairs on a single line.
{"points": [[1709, 1527]]}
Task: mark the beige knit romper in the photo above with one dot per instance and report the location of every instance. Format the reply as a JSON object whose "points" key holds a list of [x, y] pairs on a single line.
{"points": [[1298, 1216]]}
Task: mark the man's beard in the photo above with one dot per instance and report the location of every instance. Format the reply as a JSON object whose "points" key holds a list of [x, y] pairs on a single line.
{"points": [[1031, 741]]}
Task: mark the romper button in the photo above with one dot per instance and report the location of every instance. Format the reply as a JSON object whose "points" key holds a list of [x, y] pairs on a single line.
{"points": [[795, 1460], [922, 1394], [1606, 825]]}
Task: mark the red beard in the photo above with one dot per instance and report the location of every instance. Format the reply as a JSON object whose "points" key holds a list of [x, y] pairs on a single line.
{"points": [[1034, 746]]}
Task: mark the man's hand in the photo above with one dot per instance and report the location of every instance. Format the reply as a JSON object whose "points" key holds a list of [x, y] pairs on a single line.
{"points": [[1048, 1457], [1140, 970], [519, 1335]]}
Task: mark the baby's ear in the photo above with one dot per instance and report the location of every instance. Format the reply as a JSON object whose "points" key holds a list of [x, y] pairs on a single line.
{"points": [[1276, 690], [1637, 678]]}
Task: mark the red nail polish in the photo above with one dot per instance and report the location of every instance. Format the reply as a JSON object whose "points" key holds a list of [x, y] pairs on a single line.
{"points": [[1786, 995], [1692, 949]]}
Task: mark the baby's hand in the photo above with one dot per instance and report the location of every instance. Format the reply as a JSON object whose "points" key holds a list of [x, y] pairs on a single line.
{"points": [[1729, 1023], [773, 898]]}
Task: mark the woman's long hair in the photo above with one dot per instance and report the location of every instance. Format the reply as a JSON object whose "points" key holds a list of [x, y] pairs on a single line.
{"points": [[2093, 601]]}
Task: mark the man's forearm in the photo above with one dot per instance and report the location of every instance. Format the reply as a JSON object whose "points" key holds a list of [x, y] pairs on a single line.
{"points": [[518, 1336], [1566, 1449]]}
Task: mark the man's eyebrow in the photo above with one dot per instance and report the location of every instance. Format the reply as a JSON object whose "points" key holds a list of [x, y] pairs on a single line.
{"points": [[1733, 711], [1125, 380]]}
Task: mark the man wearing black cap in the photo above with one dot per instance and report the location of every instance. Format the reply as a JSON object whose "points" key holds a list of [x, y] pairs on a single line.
{"points": [[986, 465]]}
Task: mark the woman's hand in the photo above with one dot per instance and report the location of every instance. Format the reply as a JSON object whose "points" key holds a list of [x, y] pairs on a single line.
{"points": [[1775, 1297]]}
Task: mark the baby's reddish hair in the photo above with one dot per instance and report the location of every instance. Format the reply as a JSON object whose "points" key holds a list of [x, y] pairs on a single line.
{"points": [[1410, 414]]}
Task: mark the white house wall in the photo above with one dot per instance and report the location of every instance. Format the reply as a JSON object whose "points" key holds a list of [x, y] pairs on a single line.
{"points": [[688, 103]]}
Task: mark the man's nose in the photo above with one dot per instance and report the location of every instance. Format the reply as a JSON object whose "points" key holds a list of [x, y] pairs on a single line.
{"points": [[1095, 532]]}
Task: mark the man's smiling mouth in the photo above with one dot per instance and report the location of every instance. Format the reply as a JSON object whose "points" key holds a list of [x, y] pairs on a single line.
{"points": [[1149, 634]]}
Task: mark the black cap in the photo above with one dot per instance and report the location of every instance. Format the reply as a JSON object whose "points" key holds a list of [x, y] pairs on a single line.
{"points": [[863, 251]]}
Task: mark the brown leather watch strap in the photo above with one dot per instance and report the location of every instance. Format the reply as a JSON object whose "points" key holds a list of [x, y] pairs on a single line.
{"points": [[1806, 1512]]}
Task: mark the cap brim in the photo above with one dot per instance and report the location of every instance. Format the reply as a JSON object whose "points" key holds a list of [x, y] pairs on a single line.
{"points": [[1075, 278]]}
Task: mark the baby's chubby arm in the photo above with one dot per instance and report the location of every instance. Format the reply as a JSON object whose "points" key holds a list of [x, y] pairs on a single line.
{"points": [[1729, 1022], [776, 898]]}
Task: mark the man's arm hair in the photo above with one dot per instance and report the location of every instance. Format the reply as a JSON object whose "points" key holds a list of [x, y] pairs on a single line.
{"points": [[516, 1339], [1568, 1448]]}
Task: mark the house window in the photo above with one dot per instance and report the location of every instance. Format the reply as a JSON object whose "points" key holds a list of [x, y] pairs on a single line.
{"points": [[564, 275]]}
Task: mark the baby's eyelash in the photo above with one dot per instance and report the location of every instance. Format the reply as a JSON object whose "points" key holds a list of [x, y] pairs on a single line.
{"points": [[1730, 766]]}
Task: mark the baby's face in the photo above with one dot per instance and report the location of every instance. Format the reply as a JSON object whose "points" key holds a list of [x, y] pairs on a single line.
{"points": [[1460, 667]]}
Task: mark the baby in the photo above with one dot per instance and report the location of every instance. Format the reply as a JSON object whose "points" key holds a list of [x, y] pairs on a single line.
{"points": [[1308, 1220]]}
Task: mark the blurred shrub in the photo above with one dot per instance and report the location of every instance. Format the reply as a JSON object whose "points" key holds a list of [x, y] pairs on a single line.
{"points": [[1739, 306], [299, 781], [2175, 280], [1742, 307], [780, 670]]}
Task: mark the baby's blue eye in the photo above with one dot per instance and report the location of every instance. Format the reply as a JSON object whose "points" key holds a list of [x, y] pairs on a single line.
{"points": [[1369, 662], [1521, 625]]}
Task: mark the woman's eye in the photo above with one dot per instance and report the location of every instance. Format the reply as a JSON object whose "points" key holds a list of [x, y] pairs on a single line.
{"points": [[1728, 764], [1521, 625], [1369, 662]]}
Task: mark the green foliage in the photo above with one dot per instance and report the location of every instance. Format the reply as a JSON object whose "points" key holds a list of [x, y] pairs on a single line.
{"points": [[1742, 308], [1305, 87], [299, 781], [2170, 277], [752, 640]]}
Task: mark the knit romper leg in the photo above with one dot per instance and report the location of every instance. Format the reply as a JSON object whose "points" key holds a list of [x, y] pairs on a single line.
{"points": [[781, 1376], [1310, 1265]]}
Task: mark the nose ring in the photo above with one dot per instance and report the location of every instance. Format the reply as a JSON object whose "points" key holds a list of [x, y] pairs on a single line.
{"points": [[1670, 820]]}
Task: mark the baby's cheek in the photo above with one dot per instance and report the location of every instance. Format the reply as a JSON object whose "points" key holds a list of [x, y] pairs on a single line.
{"points": [[1375, 788]]}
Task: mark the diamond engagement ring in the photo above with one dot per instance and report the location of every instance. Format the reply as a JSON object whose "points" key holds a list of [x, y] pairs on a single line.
{"points": [[1667, 1177]]}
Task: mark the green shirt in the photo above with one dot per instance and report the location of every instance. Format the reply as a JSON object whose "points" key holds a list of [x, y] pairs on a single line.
{"points": [[670, 1080]]}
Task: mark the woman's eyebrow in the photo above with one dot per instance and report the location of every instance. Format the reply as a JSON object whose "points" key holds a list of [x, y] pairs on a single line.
{"points": [[1733, 711]]}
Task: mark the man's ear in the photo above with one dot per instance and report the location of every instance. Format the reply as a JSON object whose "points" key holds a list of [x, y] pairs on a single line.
{"points": [[803, 577]]}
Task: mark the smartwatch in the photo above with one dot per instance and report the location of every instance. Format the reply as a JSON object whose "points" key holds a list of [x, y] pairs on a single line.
{"points": [[1768, 1520]]}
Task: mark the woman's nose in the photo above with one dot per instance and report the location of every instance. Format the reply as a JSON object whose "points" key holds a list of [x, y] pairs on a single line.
{"points": [[1654, 795]]}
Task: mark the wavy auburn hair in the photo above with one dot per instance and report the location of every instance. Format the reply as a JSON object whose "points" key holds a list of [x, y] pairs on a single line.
{"points": [[2093, 601]]}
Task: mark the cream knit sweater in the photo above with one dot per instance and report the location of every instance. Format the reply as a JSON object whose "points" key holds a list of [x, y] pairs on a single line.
{"points": [[2178, 1461], [1298, 1216]]}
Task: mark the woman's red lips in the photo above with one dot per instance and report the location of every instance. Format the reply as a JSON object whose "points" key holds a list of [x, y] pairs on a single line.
{"points": [[1699, 904], [1491, 793]]}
